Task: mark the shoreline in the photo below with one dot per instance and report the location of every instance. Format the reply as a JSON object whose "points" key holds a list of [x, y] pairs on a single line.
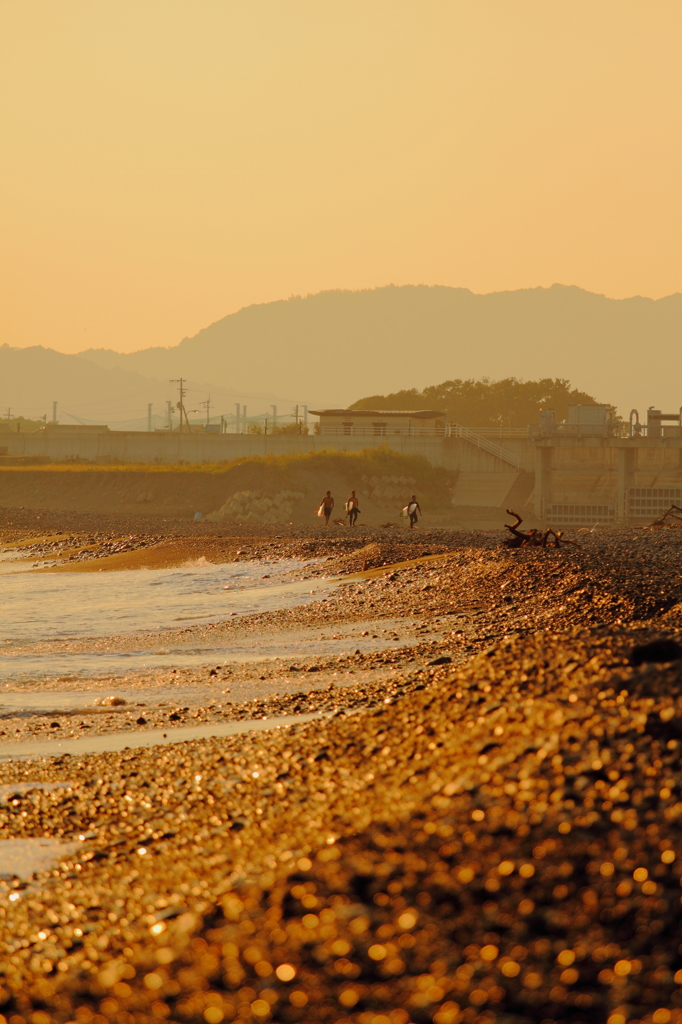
{"points": [[484, 840]]}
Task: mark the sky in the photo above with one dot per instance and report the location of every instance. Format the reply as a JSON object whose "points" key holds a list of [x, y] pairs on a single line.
{"points": [[166, 162]]}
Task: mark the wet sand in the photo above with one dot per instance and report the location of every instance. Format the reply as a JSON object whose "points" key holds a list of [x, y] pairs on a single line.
{"points": [[491, 838]]}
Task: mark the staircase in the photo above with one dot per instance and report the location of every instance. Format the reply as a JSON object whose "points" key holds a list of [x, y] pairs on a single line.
{"points": [[496, 450]]}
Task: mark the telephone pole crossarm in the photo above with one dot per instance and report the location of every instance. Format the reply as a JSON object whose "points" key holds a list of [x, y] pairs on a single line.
{"points": [[180, 381]]}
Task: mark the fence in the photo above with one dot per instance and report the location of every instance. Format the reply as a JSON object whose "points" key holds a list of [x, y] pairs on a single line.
{"points": [[479, 438], [382, 430], [449, 430], [579, 515], [649, 502]]}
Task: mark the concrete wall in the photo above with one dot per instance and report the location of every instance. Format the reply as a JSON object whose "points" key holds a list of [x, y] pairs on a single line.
{"points": [[586, 475], [481, 478], [587, 471], [603, 471], [141, 447], [483, 488]]}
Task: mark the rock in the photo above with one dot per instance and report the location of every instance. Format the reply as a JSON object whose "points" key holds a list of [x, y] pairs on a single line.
{"points": [[658, 651]]}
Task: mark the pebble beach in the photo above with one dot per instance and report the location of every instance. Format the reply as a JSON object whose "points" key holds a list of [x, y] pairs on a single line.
{"points": [[480, 823]]}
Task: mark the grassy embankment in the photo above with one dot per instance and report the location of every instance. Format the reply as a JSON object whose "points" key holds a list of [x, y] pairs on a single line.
{"points": [[186, 488]]}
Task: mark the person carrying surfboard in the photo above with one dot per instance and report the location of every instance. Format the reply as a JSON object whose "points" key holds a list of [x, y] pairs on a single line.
{"points": [[352, 509], [326, 507], [413, 510]]}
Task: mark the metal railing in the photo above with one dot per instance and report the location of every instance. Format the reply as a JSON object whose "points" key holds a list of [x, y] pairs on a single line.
{"points": [[476, 438], [480, 438], [495, 431], [450, 430], [383, 431]]}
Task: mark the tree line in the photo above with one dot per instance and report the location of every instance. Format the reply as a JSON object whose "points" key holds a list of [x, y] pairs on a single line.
{"points": [[488, 403]]}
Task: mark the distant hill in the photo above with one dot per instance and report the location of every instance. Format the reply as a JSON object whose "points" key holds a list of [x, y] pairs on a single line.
{"points": [[335, 347], [31, 379]]}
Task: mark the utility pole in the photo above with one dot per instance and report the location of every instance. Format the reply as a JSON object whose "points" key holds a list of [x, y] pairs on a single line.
{"points": [[149, 417], [273, 409], [207, 403], [54, 412], [246, 425], [296, 418], [223, 425], [169, 414], [305, 418], [180, 381], [237, 425]]}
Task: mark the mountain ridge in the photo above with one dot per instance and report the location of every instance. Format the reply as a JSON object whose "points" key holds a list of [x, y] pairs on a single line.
{"points": [[340, 344], [336, 346], [91, 352], [32, 378]]}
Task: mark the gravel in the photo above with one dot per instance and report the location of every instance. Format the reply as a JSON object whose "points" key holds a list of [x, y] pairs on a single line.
{"points": [[495, 841]]}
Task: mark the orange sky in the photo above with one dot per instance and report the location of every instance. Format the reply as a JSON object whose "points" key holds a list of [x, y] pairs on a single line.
{"points": [[166, 162]]}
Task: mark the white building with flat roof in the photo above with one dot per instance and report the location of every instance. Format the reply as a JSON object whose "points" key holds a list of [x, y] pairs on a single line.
{"points": [[380, 422]]}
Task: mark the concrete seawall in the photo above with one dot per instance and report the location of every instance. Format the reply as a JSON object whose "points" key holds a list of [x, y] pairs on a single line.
{"points": [[565, 480], [157, 446], [478, 482]]}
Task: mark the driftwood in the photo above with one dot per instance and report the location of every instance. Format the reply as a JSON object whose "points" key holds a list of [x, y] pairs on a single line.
{"points": [[667, 520], [548, 538]]}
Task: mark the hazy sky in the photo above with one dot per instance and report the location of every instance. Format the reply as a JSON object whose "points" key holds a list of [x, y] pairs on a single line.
{"points": [[166, 162]]}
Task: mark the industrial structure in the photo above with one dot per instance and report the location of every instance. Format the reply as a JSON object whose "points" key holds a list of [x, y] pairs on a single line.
{"points": [[590, 469]]}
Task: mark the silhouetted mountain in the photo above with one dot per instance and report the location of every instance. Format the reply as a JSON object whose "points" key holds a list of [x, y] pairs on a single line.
{"points": [[31, 379], [334, 347]]}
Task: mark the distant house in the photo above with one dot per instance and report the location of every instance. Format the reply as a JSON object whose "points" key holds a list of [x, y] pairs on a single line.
{"points": [[380, 423]]}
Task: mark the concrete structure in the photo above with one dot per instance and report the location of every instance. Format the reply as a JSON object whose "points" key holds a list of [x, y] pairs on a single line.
{"points": [[566, 479], [583, 421], [655, 420], [488, 472], [582, 481]]}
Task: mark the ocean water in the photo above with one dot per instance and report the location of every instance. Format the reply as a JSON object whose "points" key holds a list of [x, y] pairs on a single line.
{"points": [[45, 616], [99, 743]]}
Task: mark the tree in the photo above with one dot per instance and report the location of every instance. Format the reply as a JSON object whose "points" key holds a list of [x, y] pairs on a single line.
{"points": [[488, 403], [18, 424]]}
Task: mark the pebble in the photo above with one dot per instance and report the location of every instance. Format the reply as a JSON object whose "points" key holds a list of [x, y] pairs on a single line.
{"points": [[496, 841]]}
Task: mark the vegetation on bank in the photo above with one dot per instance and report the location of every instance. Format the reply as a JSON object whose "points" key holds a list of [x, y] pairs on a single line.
{"points": [[304, 472], [488, 403], [369, 460]]}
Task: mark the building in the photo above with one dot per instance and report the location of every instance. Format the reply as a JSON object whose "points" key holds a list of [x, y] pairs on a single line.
{"points": [[381, 423]]}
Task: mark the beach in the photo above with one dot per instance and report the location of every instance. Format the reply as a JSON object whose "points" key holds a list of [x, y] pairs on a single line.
{"points": [[478, 823]]}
